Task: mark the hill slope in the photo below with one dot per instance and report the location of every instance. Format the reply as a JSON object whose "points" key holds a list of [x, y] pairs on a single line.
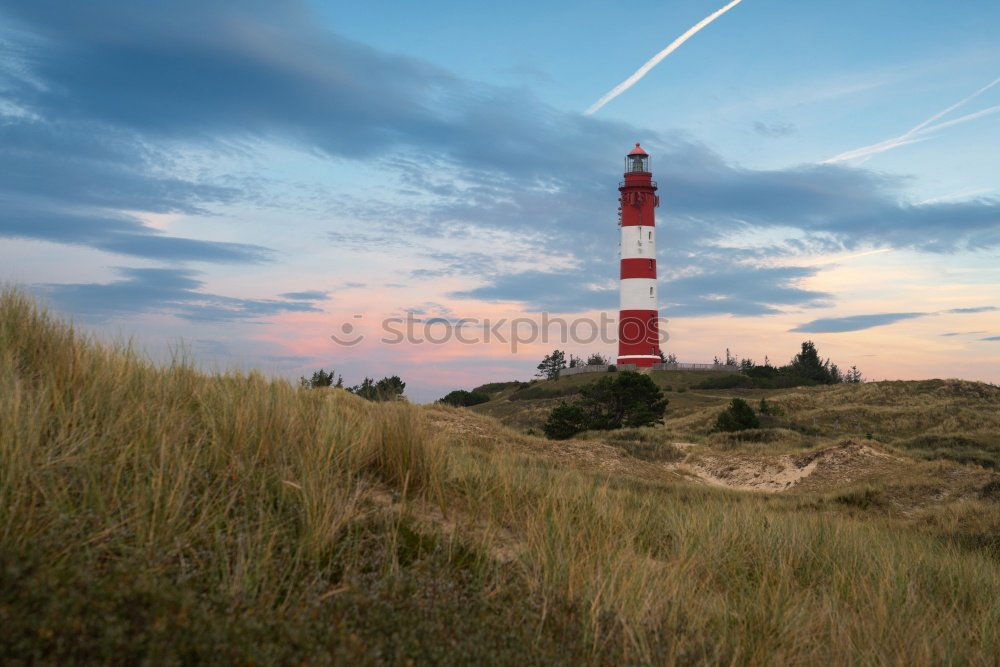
{"points": [[931, 419], [164, 515]]}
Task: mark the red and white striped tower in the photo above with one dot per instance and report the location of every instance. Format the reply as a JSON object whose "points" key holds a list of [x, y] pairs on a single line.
{"points": [[638, 339]]}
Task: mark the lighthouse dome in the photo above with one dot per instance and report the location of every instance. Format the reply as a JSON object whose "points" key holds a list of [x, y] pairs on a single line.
{"points": [[637, 150]]}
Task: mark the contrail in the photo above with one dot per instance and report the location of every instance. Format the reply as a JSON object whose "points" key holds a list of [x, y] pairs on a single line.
{"points": [[654, 61], [914, 133]]}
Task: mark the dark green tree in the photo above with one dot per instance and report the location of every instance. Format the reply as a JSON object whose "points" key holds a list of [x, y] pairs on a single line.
{"points": [[462, 398], [552, 365], [807, 365], [565, 421], [627, 399], [597, 359], [390, 388], [365, 390], [737, 417], [321, 378], [386, 389]]}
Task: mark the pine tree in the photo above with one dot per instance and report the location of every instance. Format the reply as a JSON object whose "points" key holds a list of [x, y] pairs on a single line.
{"points": [[552, 365], [321, 378], [597, 359]]}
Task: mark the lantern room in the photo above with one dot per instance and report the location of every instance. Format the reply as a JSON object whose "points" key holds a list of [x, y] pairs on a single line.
{"points": [[637, 160]]}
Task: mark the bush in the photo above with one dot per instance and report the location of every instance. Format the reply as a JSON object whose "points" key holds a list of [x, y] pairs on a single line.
{"points": [[565, 421], [463, 399], [628, 399], [386, 389], [737, 417]]}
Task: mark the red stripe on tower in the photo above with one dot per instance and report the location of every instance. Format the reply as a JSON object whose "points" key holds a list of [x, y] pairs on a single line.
{"points": [[638, 337]]}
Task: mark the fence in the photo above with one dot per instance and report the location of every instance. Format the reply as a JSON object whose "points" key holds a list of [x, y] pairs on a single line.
{"points": [[603, 368]]}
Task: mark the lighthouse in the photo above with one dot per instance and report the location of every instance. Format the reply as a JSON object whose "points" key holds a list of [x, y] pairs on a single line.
{"points": [[638, 339]]}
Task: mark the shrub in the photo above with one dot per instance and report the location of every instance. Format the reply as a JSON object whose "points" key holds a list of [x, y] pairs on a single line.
{"points": [[628, 399], [737, 417], [463, 399], [565, 421]]}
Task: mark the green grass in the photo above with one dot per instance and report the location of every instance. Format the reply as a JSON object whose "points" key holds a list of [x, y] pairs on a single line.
{"points": [[158, 514]]}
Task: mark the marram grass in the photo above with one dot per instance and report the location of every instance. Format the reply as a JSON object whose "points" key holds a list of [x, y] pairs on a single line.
{"points": [[165, 515]]}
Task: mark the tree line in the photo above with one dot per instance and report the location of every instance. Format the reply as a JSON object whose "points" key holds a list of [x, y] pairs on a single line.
{"points": [[389, 388], [805, 368]]}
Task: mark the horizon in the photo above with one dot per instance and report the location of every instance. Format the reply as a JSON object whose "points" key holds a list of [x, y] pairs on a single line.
{"points": [[254, 178]]}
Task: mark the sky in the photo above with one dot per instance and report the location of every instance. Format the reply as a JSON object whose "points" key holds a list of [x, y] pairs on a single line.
{"points": [[286, 185]]}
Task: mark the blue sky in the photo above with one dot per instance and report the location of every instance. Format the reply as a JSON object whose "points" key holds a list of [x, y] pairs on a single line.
{"points": [[244, 177]]}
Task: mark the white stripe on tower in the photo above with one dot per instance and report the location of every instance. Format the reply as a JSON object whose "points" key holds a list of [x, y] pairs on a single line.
{"points": [[638, 294], [638, 241]]}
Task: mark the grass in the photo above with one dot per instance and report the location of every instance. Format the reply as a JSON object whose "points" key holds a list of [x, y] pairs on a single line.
{"points": [[157, 514]]}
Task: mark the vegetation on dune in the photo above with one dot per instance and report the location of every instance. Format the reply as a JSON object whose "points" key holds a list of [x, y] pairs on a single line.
{"points": [[386, 389], [461, 398], [626, 399], [805, 369], [738, 416], [157, 514], [552, 365]]}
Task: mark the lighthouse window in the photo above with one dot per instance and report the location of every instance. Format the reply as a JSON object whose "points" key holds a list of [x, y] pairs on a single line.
{"points": [[650, 263], [650, 291], [651, 236]]}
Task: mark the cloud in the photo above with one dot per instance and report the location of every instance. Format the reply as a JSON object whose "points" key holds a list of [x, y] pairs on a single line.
{"points": [[854, 322], [176, 291], [543, 291], [120, 234], [740, 290], [859, 322], [774, 129], [977, 309], [314, 295], [992, 338], [743, 290], [962, 333]]}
